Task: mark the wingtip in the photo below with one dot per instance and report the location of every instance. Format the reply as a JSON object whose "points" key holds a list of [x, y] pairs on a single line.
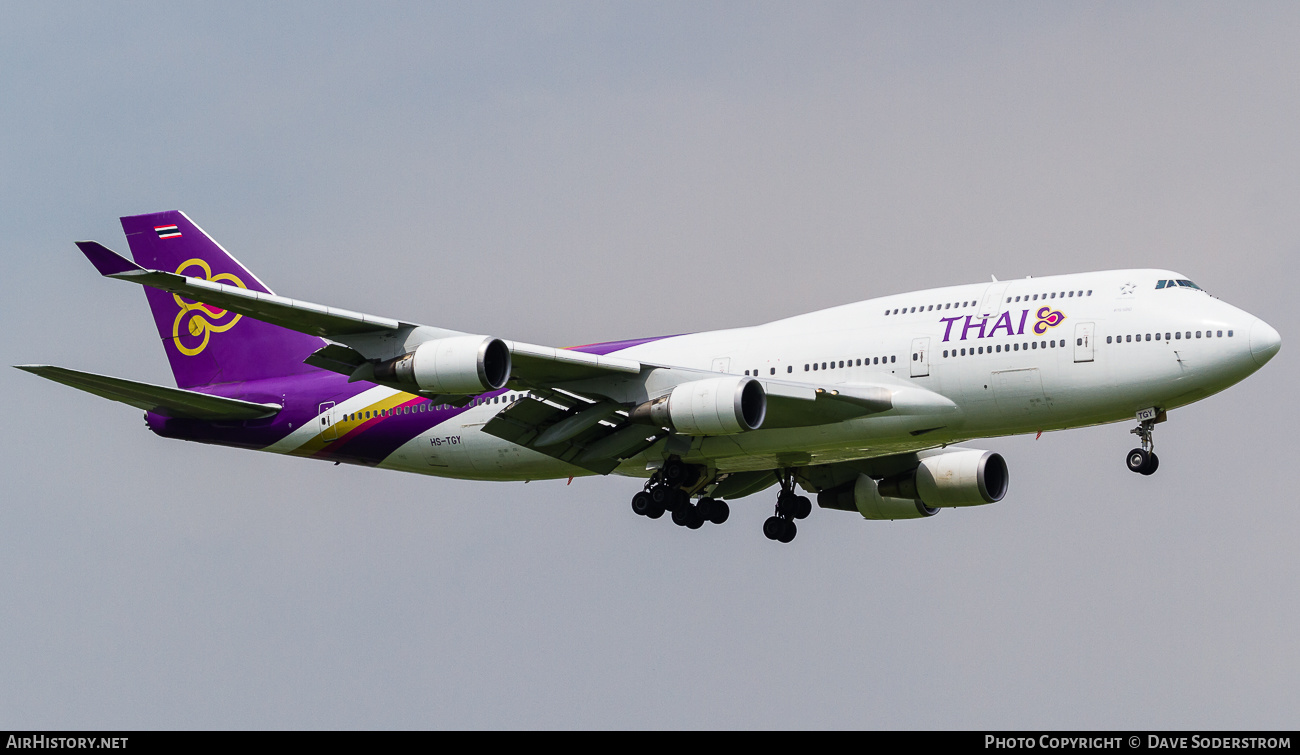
{"points": [[105, 260]]}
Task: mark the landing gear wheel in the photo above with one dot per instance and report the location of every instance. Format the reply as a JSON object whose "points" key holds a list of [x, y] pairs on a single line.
{"points": [[663, 497], [655, 511], [716, 512], [687, 515], [679, 474], [789, 506], [641, 504], [674, 472], [1142, 461]]}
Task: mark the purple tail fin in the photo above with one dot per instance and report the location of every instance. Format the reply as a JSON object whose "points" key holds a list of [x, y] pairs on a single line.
{"points": [[206, 344]]}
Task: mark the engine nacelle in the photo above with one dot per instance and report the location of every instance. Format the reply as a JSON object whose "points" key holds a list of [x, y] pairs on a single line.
{"points": [[967, 477], [716, 406], [455, 365], [964, 477], [864, 496]]}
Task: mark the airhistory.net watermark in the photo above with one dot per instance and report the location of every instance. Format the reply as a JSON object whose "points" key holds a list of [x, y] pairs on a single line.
{"points": [[42, 742]]}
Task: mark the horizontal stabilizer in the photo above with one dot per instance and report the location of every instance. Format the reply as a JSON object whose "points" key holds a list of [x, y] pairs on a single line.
{"points": [[169, 402]]}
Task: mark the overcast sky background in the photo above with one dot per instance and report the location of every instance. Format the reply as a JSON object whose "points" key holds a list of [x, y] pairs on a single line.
{"points": [[570, 173]]}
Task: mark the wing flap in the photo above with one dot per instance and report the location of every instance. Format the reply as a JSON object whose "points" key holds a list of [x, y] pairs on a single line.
{"points": [[593, 435], [336, 357], [169, 402]]}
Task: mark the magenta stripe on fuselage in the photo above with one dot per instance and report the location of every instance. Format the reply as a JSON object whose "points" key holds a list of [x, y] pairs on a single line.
{"points": [[609, 347], [377, 438]]}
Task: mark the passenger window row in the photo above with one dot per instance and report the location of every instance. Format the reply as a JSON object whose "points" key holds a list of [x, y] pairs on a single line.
{"points": [[426, 406], [960, 305], [930, 308], [1176, 336], [999, 348], [1063, 295], [819, 366], [865, 362]]}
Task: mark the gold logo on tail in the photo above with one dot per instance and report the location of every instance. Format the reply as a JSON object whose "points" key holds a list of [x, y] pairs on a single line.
{"points": [[199, 320]]}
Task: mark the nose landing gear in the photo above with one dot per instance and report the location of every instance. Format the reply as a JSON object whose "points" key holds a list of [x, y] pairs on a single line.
{"points": [[1144, 460]]}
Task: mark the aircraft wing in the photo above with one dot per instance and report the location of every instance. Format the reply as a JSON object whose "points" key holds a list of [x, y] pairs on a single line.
{"points": [[792, 404], [302, 316], [169, 402], [595, 433], [547, 365], [367, 336]]}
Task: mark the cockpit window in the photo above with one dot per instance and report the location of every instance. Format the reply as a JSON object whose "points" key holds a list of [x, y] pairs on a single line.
{"points": [[1176, 284]]}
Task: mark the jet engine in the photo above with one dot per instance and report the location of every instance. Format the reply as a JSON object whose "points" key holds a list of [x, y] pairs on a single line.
{"points": [[455, 365], [962, 477], [864, 496], [716, 406]]}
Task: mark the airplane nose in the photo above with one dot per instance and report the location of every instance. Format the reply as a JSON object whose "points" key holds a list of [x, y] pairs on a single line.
{"points": [[1264, 342]]}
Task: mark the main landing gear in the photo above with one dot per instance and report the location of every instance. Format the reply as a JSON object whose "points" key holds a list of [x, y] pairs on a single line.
{"points": [[789, 506], [1144, 460], [668, 490]]}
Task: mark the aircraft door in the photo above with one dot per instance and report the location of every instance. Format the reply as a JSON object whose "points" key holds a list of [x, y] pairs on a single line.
{"points": [[722, 364], [992, 303], [1083, 342], [920, 357], [325, 423]]}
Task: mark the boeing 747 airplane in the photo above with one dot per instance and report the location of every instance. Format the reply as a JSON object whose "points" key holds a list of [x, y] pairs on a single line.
{"points": [[861, 404]]}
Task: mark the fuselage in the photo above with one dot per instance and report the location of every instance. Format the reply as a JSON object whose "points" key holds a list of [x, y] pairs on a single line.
{"points": [[1009, 357]]}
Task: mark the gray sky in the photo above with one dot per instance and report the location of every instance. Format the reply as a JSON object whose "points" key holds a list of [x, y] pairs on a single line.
{"points": [[568, 173]]}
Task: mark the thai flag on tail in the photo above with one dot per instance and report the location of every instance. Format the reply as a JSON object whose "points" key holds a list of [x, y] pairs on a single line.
{"points": [[251, 350]]}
